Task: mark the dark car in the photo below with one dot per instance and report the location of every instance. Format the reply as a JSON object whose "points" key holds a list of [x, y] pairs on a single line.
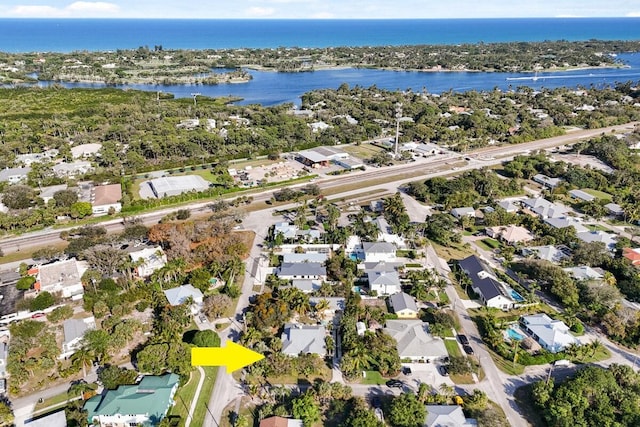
{"points": [[463, 339], [375, 402], [395, 383], [406, 370], [467, 349], [444, 371]]}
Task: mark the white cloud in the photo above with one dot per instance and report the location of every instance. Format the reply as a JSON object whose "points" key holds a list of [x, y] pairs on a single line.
{"points": [[35, 11], [633, 14], [323, 15], [79, 9], [260, 11], [93, 7]]}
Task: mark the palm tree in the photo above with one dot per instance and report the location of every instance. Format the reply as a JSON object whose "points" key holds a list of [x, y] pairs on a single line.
{"points": [[79, 388], [84, 357], [321, 306], [445, 389]]}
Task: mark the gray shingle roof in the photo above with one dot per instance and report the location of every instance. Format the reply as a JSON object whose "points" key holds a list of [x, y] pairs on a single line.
{"points": [[481, 276], [403, 301], [298, 339], [302, 269]]}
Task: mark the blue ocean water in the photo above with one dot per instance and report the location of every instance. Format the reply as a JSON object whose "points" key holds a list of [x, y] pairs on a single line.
{"points": [[66, 35]]}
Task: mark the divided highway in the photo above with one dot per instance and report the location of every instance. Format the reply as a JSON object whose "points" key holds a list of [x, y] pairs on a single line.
{"points": [[398, 175]]}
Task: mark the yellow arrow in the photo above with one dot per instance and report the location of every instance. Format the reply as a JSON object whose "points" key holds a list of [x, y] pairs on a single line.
{"points": [[233, 356]]}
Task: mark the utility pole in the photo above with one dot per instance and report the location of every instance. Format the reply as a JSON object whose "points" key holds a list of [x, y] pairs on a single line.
{"points": [[195, 95]]}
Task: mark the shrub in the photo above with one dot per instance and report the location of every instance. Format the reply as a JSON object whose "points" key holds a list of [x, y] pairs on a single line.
{"points": [[25, 283]]}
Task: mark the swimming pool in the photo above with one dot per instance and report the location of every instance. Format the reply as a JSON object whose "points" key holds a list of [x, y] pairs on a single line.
{"points": [[514, 335], [516, 296]]}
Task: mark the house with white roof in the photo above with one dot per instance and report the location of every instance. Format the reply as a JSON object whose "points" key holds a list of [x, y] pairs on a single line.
{"points": [[565, 222], [508, 206], [72, 169], [55, 419], [583, 196], [614, 209], [546, 181], [414, 342], [404, 305], [63, 277], [544, 208], [84, 151], [461, 212], [304, 339], [386, 234], [14, 175], [447, 416], [74, 330], [287, 230], [181, 294], [148, 260], [584, 272], [384, 282], [552, 335], [549, 253], [379, 251], [307, 285], [608, 239]]}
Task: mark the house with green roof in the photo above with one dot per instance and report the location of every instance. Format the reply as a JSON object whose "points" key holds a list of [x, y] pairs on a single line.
{"points": [[145, 403]]}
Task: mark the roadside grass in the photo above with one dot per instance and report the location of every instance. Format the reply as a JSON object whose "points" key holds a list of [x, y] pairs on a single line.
{"points": [[598, 194], [296, 378], [452, 348], [456, 252], [200, 411], [28, 253], [506, 366], [362, 151], [185, 396], [372, 378], [596, 227], [488, 244], [57, 400], [462, 379]]}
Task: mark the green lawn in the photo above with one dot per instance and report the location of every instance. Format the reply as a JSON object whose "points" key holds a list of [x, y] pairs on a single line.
{"points": [[184, 397], [58, 399], [452, 348], [210, 373], [372, 378], [598, 194], [488, 244]]}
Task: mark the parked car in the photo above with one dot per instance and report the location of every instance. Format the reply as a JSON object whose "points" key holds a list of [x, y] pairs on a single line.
{"points": [[467, 349], [38, 315], [375, 402], [406, 370], [444, 371], [463, 339], [395, 383]]}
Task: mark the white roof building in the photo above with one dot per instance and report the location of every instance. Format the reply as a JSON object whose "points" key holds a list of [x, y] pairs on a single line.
{"points": [[608, 239], [447, 416], [74, 330], [181, 294], [414, 340], [552, 335], [148, 260], [14, 175], [584, 272], [378, 251], [384, 282], [544, 208], [63, 277], [77, 168], [304, 339], [461, 212], [175, 185], [85, 150]]}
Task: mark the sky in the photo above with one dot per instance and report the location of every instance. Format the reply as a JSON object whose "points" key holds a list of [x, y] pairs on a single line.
{"points": [[317, 9]]}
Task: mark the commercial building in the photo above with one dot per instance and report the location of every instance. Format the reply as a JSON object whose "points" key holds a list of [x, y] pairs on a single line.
{"points": [[175, 185]]}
